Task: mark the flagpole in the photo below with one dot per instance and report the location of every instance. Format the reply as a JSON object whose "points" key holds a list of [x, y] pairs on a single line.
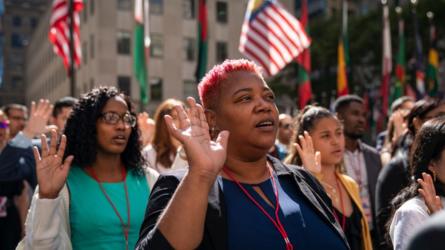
{"points": [[72, 70]]}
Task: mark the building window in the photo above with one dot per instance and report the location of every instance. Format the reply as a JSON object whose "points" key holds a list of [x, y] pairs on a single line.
{"points": [[190, 89], [17, 82], [92, 46], [124, 4], [84, 52], [156, 46], [221, 51], [85, 13], [156, 89], [188, 9], [18, 41], [221, 12], [124, 84], [33, 22], [123, 43], [189, 49], [91, 84], [91, 7], [156, 7], [16, 21]]}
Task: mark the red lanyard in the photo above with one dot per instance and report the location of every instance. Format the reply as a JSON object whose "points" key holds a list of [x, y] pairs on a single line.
{"points": [[125, 228], [276, 222], [343, 222]]}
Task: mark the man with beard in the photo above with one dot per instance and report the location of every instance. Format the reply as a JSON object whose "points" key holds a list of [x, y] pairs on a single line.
{"points": [[361, 161]]}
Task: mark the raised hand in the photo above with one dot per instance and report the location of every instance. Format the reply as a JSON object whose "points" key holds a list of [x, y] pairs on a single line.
{"points": [[311, 160], [428, 193], [38, 118], [205, 157], [52, 171], [147, 128]]}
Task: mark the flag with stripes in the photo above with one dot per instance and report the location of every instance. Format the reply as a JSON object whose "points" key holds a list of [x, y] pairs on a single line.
{"points": [[59, 32], [271, 36]]}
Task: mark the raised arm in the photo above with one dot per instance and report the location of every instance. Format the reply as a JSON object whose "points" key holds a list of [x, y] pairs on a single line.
{"points": [[182, 221]]}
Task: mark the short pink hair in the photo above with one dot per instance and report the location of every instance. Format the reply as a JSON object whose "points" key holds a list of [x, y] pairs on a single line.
{"points": [[210, 84]]}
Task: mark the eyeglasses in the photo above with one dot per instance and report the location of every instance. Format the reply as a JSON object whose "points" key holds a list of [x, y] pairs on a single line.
{"points": [[287, 126], [113, 118], [4, 124]]}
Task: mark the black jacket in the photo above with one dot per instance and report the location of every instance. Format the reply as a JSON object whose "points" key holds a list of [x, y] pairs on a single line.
{"points": [[215, 231]]}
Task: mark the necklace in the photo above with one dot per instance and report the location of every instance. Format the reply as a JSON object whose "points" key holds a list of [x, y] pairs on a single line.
{"points": [[275, 221], [343, 222], [333, 194], [125, 227]]}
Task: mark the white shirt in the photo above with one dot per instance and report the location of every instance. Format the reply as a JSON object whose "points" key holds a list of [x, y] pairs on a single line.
{"points": [[406, 219], [355, 166], [179, 160]]}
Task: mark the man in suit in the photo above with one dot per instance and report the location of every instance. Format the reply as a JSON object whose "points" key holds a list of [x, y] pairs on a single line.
{"points": [[362, 162]]}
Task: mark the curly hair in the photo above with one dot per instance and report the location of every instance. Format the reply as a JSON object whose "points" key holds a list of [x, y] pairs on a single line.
{"points": [[81, 133]]}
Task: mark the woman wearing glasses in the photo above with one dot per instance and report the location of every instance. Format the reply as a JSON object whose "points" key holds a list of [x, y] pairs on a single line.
{"points": [[93, 194]]}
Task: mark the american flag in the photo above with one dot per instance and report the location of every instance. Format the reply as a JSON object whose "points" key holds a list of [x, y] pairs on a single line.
{"points": [[59, 33], [271, 36]]}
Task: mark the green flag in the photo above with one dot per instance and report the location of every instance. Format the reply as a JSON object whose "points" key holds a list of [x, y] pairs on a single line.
{"points": [[141, 43], [201, 66]]}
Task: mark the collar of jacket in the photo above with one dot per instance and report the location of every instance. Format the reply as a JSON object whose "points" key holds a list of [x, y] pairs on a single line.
{"points": [[310, 189]]}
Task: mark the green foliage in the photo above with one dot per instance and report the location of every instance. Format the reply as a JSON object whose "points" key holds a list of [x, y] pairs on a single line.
{"points": [[365, 41]]}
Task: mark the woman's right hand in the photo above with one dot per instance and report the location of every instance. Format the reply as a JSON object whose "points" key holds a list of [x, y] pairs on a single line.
{"points": [[428, 193], [311, 160], [205, 157], [51, 171]]}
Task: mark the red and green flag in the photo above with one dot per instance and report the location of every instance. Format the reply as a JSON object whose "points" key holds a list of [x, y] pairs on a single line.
{"points": [[304, 61], [343, 54], [432, 81], [201, 66], [141, 44], [386, 63], [398, 89]]}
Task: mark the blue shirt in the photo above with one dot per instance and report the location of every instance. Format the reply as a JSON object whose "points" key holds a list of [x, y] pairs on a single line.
{"points": [[249, 228]]}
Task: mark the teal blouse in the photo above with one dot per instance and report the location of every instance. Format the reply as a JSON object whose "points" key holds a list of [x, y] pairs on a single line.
{"points": [[94, 224]]}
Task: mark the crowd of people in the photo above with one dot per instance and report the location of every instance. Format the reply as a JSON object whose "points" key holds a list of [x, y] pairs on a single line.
{"points": [[229, 172]]}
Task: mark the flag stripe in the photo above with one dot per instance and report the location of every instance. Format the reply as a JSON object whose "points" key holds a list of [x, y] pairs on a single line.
{"points": [[59, 33], [270, 36]]}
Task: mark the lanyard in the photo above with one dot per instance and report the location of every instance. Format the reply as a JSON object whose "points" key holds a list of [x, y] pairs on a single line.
{"points": [[343, 222], [275, 221], [125, 228]]}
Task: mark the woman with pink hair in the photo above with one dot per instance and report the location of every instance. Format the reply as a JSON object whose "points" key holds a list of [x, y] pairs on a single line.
{"points": [[235, 196]]}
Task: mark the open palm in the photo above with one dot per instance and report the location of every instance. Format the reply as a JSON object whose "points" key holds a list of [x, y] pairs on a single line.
{"points": [[428, 193], [51, 170], [205, 157], [311, 160]]}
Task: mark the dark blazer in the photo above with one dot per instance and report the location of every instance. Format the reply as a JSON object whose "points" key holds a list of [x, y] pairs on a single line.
{"points": [[17, 164], [392, 179], [215, 231], [373, 167]]}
